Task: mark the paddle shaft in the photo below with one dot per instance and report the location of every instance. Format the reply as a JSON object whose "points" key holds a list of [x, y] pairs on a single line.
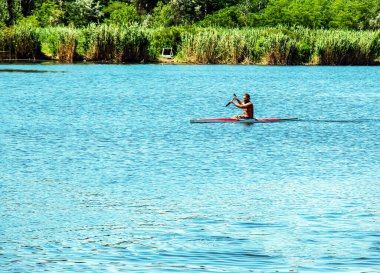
{"points": [[230, 101]]}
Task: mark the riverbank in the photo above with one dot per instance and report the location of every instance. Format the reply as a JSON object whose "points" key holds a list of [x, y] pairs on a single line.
{"points": [[266, 46]]}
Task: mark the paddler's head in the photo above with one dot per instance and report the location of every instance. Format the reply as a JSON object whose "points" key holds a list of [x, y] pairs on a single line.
{"points": [[246, 98]]}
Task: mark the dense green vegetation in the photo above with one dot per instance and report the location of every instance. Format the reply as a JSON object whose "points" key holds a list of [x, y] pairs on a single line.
{"points": [[228, 31], [341, 14], [267, 45]]}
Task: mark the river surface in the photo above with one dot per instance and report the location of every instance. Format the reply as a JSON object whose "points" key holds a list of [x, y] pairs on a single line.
{"points": [[101, 170]]}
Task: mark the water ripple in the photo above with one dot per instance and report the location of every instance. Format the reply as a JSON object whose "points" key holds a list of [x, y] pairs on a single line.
{"points": [[102, 172]]}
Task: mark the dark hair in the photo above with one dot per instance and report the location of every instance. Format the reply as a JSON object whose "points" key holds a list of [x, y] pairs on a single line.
{"points": [[246, 94]]}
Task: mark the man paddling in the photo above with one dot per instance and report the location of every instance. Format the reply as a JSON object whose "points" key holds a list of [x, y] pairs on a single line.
{"points": [[246, 105]]}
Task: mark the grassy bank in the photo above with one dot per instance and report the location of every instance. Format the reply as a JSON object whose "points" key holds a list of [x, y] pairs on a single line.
{"points": [[116, 44]]}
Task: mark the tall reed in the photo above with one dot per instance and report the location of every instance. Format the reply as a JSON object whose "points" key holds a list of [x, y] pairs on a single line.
{"points": [[20, 42], [337, 47], [261, 45], [4, 43], [60, 43], [254, 45], [280, 46], [220, 45], [282, 50], [201, 46], [231, 48], [117, 44], [111, 43], [67, 45]]}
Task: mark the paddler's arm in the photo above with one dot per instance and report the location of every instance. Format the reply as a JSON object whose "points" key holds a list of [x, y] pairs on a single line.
{"points": [[242, 106]]}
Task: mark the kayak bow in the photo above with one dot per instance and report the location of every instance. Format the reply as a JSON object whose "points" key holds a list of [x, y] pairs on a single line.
{"points": [[237, 120]]}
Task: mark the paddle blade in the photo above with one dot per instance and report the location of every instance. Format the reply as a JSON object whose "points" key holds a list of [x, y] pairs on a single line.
{"points": [[230, 101]]}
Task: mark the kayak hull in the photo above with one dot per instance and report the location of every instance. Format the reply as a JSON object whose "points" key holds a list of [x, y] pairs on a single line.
{"points": [[237, 120]]}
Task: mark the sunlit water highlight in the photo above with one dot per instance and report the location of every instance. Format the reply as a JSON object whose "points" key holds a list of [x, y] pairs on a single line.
{"points": [[101, 170]]}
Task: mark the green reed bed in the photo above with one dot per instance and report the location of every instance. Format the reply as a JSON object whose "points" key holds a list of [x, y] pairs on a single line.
{"points": [[281, 50], [118, 44], [115, 44], [20, 42], [201, 46], [280, 46], [220, 46], [248, 46], [284, 46], [337, 47], [254, 45], [59, 43], [232, 50]]}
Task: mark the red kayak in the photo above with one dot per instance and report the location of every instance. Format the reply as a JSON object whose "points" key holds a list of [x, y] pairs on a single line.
{"points": [[223, 120]]}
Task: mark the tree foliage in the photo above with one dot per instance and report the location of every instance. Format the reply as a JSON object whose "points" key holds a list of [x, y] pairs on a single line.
{"points": [[83, 12], [122, 14], [163, 15], [49, 13], [332, 14], [4, 13]]}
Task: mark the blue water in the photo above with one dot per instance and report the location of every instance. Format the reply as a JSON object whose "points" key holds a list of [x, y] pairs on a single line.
{"points": [[101, 170]]}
